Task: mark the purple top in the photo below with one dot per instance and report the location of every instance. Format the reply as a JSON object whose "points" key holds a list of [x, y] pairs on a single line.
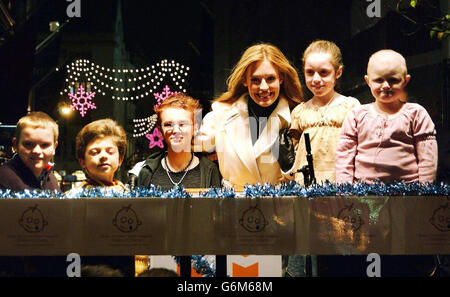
{"points": [[390, 148]]}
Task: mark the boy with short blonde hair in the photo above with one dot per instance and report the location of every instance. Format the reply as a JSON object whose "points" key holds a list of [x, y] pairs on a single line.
{"points": [[34, 142]]}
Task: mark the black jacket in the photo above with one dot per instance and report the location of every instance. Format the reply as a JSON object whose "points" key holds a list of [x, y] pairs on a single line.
{"points": [[14, 175], [209, 172]]}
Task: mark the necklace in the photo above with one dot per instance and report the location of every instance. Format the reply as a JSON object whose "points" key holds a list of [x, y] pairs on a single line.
{"points": [[185, 170], [325, 107]]}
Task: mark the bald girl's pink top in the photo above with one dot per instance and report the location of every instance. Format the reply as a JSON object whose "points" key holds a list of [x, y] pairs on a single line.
{"points": [[391, 148]]}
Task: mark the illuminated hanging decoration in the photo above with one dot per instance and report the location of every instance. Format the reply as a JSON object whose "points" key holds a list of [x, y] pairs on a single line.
{"points": [[129, 84], [81, 100], [155, 139], [144, 126], [126, 84]]}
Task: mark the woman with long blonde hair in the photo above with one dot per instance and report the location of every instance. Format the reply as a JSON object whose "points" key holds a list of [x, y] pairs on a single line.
{"points": [[244, 124]]}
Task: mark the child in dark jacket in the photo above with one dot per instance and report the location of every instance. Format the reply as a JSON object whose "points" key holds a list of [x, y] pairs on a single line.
{"points": [[34, 143]]}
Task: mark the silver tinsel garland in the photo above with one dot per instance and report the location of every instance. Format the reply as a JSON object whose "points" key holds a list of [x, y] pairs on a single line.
{"points": [[290, 189]]}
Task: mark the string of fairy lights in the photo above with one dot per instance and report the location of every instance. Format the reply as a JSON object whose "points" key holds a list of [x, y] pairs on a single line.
{"points": [[127, 84], [144, 126]]}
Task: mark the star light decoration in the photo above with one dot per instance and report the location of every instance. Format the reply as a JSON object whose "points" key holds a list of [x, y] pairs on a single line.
{"points": [[127, 84], [81, 101], [155, 135]]}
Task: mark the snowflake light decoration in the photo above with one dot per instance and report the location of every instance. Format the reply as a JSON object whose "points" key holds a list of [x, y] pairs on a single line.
{"points": [[160, 97], [81, 101]]}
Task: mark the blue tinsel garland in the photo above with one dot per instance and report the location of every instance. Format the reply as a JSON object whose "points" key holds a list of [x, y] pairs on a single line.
{"points": [[355, 189], [218, 193], [199, 262], [31, 194], [284, 190]]}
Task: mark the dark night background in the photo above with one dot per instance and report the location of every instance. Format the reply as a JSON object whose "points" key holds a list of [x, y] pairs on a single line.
{"points": [[209, 36]]}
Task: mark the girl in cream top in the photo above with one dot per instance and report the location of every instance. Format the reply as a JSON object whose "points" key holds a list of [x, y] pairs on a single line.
{"points": [[323, 123], [322, 116]]}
